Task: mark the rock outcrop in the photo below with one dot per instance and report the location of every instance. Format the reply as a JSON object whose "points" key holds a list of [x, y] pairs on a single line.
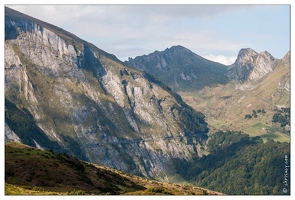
{"points": [[65, 94], [251, 66]]}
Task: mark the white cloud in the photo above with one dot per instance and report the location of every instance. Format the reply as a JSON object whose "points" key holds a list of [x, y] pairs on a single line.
{"points": [[121, 29], [221, 59]]}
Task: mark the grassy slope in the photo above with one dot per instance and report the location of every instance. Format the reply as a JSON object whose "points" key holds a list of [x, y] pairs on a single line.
{"points": [[30, 171], [226, 107]]}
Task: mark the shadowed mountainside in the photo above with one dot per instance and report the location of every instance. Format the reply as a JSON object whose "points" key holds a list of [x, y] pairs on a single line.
{"points": [[181, 69]]}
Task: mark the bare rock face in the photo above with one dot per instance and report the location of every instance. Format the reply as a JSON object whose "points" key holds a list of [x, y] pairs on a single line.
{"points": [[10, 136], [65, 94], [251, 66], [284, 82], [286, 59]]}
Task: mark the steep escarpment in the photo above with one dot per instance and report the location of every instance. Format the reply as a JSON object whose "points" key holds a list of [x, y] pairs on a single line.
{"points": [[65, 94]]}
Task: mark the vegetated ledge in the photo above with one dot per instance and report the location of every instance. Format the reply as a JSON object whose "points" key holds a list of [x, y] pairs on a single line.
{"points": [[31, 171]]}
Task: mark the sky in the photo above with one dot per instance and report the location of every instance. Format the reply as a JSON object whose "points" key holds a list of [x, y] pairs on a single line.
{"points": [[215, 32]]}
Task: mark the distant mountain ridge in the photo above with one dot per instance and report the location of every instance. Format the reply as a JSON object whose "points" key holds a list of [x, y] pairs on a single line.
{"points": [[181, 69], [251, 66], [253, 81]]}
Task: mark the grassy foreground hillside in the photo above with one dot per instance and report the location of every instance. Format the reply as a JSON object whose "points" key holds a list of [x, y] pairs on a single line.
{"points": [[31, 171]]}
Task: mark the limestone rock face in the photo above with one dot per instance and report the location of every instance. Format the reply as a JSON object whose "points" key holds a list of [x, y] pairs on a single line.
{"points": [[284, 82], [251, 66], [65, 94], [10, 136]]}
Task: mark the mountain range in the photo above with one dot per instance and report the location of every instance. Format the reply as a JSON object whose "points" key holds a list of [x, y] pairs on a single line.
{"points": [[226, 94], [66, 95]]}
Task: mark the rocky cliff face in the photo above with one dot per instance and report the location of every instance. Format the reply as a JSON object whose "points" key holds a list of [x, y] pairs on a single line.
{"points": [[181, 69], [284, 81], [251, 66], [64, 94]]}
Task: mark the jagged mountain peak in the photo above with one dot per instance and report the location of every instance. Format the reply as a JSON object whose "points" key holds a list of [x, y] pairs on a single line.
{"points": [[251, 66], [177, 48], [180, 51], [287, 56], [246, 55], [286, 59], [266, 53], [249, 55], [246, 51], [180, 68]]}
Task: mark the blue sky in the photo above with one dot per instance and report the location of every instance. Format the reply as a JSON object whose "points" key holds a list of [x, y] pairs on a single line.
{"points": [[216, 32]]}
